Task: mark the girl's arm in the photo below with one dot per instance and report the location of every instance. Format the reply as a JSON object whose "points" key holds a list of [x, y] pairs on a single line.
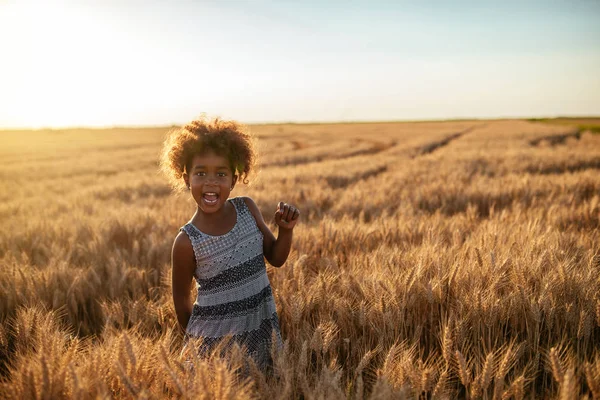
{"points": [[183, 265], [276, 250]]}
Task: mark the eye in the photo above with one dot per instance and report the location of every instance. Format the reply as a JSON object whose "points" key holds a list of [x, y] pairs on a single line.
{"points": [[200, 173], [221, 174]]}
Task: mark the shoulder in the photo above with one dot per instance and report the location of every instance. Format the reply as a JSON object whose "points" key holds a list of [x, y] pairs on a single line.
{"points": [[258, 218], [182, 244], [183, 259], [248, 201], [252, 207]]}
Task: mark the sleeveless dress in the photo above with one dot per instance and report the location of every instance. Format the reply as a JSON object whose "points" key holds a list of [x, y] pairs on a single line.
{"points": [[234, 293]]}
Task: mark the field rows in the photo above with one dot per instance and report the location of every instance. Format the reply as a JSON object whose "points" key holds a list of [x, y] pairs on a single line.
{"points": [[442, 259]]}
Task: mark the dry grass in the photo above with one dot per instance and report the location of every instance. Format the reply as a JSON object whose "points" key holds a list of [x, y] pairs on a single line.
{"points": [[444, 260]]}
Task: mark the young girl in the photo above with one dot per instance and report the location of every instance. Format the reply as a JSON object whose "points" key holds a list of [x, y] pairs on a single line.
{"points": [[224, 244]]}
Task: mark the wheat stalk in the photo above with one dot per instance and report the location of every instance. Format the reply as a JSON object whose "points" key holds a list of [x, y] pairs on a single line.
{"points": [[488, 371], [440, 387], [365, 360], [463, 371], [569, 386], [131, 388], [166, 364], [556, 365], [447, 345], [592, 375]]}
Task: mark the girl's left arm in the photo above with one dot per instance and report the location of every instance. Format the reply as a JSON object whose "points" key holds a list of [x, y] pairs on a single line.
{"points": [[286, 217]]}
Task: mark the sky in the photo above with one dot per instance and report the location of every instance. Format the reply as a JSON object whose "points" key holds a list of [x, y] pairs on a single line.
{"points": [[124, 63]]}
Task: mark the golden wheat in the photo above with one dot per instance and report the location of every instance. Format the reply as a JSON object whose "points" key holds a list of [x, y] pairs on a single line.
{"points": [[435, 259]]}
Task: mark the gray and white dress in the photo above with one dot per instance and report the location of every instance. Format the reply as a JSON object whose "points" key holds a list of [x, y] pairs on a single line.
{"points": [[234, 292]]}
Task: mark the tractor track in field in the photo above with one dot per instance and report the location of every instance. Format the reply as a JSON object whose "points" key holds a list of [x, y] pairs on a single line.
{"points": [[337, 182], [377, 147], [555, 140], [433, 146], [578, 166]]}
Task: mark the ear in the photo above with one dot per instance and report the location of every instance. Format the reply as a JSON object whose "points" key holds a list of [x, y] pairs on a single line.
{"points": [[233, 181], [186, 179]]}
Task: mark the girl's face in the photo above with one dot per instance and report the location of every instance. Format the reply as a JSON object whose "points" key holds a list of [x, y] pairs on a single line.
{"points": [[210, 180]]}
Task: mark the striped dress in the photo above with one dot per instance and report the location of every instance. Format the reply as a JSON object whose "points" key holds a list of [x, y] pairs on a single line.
{"points": [[234, 293]]}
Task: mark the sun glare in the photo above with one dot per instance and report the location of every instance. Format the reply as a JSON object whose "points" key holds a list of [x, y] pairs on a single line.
{"points": [[63, 63]]}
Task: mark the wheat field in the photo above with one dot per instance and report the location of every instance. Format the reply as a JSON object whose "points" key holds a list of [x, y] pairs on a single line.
{"points": [[454, 259]]}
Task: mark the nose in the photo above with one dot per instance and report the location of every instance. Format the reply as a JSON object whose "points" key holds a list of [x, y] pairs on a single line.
{"points": [[213, 180]]}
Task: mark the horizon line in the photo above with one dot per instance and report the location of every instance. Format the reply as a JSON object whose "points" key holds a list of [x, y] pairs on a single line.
{"points": [[288, 122]]}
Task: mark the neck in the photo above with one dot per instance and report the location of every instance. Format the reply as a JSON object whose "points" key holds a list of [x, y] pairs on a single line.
{"points": [[212, 217]]}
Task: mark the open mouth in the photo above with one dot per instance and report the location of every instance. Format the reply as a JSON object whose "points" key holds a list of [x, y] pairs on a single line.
{"points": [[210, 198]]}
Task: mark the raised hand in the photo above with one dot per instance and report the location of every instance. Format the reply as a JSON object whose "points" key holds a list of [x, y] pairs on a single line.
{"points": [[286, 215]]}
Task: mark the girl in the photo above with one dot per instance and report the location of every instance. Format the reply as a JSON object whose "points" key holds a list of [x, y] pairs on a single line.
{"points": [[224, 244]]}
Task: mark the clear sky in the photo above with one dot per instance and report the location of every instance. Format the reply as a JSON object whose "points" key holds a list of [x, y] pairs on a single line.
{"points": [[104, 63]]}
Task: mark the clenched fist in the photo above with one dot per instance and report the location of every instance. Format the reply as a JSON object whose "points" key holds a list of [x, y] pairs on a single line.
{"points": [[286, 215]]}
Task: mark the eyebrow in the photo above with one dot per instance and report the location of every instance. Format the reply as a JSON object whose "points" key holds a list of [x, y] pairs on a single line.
{"points": [[204, 166]]}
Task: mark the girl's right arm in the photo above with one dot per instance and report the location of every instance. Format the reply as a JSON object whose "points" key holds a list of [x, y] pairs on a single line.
{"points": [[183, 265]]}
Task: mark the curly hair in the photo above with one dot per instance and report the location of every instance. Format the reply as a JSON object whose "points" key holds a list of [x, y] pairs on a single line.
{"points": [[228, 139]]}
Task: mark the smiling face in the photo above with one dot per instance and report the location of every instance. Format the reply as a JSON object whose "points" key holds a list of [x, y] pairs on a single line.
{"points": [[210, 180]]}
